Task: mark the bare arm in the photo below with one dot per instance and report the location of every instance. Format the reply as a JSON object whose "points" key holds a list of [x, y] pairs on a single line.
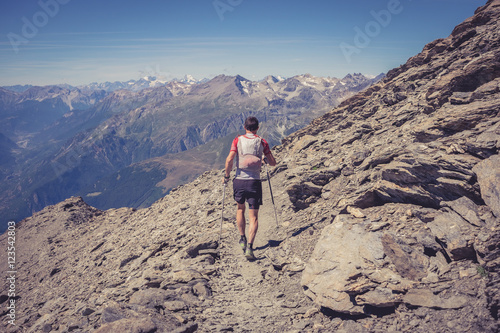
{"points": [[270, 159], [229, 163]]}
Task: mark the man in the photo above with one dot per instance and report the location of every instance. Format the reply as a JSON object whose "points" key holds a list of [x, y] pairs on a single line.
{"points": [[248, 150]]}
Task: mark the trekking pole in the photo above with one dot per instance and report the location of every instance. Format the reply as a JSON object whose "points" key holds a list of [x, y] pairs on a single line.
{"points": [[272, 197], [222, 211]]}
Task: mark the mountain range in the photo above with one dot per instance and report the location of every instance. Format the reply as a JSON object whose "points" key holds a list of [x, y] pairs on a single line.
{"points": [[89, 140], [149, 81]]}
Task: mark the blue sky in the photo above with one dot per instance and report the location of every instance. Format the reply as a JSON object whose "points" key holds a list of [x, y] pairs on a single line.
{"points": [[77, 42]]}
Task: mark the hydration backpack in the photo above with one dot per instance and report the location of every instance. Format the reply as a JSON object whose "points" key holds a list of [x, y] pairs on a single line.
{"points": [[250, 150]]}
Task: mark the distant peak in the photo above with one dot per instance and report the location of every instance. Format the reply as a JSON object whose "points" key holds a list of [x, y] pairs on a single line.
{"points": [[240, 78], [273, 79]]}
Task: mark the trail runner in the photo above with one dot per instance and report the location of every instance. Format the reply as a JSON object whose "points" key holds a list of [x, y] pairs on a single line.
{"points": [[248, 150]]}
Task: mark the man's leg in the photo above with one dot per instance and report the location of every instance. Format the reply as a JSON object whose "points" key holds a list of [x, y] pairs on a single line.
{"points": [[240, 222], [254, 202], [253, 215], [240, 218]]}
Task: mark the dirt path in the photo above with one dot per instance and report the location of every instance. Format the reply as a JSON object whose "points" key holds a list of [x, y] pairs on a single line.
{"points": [[254, 296]]}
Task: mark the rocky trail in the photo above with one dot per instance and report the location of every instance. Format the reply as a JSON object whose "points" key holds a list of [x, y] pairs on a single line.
{"points": [[255, 294]]}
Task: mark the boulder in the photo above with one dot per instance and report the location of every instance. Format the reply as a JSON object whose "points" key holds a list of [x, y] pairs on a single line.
{"points": [[455, 235], [194, 250], [488, 177], [303, 194], [152, 298], [340, 263], [426, 298]]}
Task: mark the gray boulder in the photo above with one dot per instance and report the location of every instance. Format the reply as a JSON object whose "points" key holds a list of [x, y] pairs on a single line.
{"points": [[488, 176]]}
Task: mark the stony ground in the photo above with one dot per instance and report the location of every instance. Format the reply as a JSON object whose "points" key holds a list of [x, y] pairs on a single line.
{"points": [[154, 270], [85, 269]]}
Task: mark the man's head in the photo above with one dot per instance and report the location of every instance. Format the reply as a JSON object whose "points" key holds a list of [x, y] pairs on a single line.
{"points": [[251, 124]]}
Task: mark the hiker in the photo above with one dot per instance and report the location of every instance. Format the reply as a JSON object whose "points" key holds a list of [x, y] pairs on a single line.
{"points": [[248, 150]]}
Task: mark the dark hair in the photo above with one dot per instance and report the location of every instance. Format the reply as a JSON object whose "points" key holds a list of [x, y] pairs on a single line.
{"points": [[251, 124]]}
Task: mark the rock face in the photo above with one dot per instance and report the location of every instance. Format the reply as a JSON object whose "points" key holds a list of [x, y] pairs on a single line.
{"points": [[426, 138], [388, 212]]}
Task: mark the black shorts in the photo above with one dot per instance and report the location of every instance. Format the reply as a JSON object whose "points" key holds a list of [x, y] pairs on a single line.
{"points": [[249, 190]]}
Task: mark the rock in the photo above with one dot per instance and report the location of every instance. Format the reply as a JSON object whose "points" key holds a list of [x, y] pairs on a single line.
{"points": [[460, 98], [379, 297], [152, 298], [201, 289], [186, 275], [467, 209], [355, 212], [214, 253], [303, 194], [455, 235], [189, 328], [221, 328], [334, 272], [350, 326], [51, 306], [155, 283], [87, 312], [194, 250], [43, 324], [416, 154], [439, 264], [492, 259], [428, 241], [111, 314], [426, 298], [175, 306], [135, 325], [311, 312], [488, 177], [409, 263], [301, 325], [304, 143]]}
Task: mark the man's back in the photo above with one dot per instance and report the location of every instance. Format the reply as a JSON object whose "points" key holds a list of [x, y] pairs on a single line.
{"points": [[250, 148]]}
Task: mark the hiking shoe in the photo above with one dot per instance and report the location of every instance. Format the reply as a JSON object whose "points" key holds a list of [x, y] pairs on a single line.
{"points": [[249, 254], [243, 244]]}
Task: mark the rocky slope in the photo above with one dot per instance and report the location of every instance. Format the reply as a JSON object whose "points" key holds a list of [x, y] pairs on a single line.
{"points": [[389, 220]]}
